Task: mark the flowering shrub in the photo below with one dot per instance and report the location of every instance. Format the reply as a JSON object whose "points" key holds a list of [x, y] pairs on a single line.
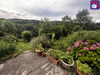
{"points": [[86, 52]]}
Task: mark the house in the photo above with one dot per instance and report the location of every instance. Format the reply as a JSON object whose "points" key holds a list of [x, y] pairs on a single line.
{"points": [[94, 6]]}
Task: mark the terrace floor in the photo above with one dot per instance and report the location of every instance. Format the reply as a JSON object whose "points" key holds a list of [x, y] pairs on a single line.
{"points": [[29, 63]]}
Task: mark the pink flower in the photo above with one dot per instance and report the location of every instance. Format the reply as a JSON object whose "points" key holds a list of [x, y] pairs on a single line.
{"points": [[79, 41], [94, 45], [86, 43], [67, 52], [85, 48], [76, 45], [69, 48], [73, 46], [82, 43], [92, 48], [80, 54], [98, 44]]}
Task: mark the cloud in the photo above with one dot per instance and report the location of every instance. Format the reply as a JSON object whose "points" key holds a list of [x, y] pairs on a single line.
{"points": [[37, 9], [6, 14], [95, 14], [81, 4], [43, 12]]}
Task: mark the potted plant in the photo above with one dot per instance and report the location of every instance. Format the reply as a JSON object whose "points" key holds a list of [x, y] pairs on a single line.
{"points": [[83, 69], [40, 49], [43, 54], [54, 56], [67, 61]]}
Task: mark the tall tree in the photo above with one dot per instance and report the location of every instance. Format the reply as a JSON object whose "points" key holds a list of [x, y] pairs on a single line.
{"points": [[8, 27], [45, 26], [83, 17], [66, 19]]}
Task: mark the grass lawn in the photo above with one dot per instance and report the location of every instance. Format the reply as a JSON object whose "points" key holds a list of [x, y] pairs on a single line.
{"points": [[22, 46]]}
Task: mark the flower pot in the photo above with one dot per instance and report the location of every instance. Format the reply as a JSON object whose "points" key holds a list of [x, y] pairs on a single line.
{"points": [[80, 73], [44, 55], [67, 66], [39, 52], [53, 60]]}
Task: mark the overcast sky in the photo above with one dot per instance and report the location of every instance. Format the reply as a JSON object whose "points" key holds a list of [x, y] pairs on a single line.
{"points": [[52, 9]]}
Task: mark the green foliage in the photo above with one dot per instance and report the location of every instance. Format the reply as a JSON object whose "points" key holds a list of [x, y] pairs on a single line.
{"points": [[40, 48], [32, 28], [77, 28], [56, 54], [83, 67], [20, 28], [53, 35], [66, 59], [57, 31], [9, 50], [50, 36], [40, 40], [66, 19], [6, 49], [22, 46], [83, 17], [8, 27], [66, 28], [90, 35], [68, 41], [10, 38], [26, 35], [45, 26], [86, 52], [1, 33]]}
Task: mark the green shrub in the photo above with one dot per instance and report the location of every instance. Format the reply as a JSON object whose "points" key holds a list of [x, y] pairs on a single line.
{"points": [[90, 35], [26, 35], [55, 54], [40, 40], [68, 41], [66, 58], [10, 38], [1, 33], [83, 67], [77, 28], [40, 48], [6, 49]]}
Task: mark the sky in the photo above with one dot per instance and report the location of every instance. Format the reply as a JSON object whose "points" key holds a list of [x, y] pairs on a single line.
{"points": [[52, 9]]}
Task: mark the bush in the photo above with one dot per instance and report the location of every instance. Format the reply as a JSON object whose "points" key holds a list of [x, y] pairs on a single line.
{"points": [[86, 52], [90, 35], [55, 54], [68, 41], [1, 33], [84, 68], [10, 39], [40, 40], [26, 35], [77, 28], [6, 49]]}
